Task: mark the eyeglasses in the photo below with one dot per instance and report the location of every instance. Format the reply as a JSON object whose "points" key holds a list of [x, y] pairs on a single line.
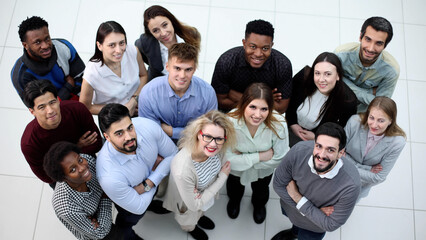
{"points": [[209, 139]]}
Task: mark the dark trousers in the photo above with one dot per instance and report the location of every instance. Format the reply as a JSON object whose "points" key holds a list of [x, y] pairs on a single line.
{"points": [[125, 221], [260, 196], [303, 234]]}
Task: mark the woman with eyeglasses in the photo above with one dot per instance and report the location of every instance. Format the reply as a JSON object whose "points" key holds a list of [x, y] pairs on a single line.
{"points": [[262, 142], [198, 171]]}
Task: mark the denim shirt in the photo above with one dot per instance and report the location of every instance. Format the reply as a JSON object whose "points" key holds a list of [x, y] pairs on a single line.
{"points": [[382, 74]]}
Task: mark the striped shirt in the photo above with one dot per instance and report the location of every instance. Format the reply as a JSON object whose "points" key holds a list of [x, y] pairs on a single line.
{"points": [[207, 171]]}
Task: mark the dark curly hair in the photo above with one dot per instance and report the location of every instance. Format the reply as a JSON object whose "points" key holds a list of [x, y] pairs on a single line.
{"points": [[260, 27], [29, 24], [54, 157]]}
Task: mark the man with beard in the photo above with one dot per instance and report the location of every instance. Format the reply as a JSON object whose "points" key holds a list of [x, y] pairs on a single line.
{"points": [[369, 70], [127, 167], [46, 58], [318, 191]]}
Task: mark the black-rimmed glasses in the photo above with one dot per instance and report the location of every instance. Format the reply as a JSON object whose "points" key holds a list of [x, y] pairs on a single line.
{"points": [[209, 139]]}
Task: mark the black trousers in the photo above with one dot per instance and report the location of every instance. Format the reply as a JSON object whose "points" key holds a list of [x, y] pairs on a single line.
{"points": [[125, 221], [260, 196]]}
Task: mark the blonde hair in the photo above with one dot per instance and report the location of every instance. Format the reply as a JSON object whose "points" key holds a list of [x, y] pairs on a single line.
{"points": [[388, 106], [189, 138]]}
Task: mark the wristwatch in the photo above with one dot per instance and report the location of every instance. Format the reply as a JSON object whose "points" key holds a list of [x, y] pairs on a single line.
{"points": [[146, 186]]}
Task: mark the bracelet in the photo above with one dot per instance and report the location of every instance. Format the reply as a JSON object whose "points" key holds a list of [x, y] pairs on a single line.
{"points": [[136, 97]]}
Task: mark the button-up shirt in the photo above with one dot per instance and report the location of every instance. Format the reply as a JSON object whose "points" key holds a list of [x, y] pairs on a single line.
{"points": [[118, 173], [161, 104], [383, 74]]}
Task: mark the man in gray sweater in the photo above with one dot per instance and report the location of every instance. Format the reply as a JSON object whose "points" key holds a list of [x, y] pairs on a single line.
{"points": [[318, 190]]}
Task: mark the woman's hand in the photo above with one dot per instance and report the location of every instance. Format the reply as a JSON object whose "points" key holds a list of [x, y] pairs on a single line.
{"points": [[226, 168], [131, 105], [297, 129], [376, 168], [307, 135], [266, 155]]}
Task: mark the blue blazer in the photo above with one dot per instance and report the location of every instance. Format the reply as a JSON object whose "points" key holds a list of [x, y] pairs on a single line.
{"points": [[386, 152]]}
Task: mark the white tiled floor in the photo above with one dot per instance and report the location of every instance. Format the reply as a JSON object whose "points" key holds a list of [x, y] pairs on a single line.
{"points": [[395, 209]]}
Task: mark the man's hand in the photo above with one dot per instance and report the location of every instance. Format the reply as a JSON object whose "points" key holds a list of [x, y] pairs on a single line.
{"points": [[327, 210], [235, 96], [157, 161], [376, 168], [87, 139], [276, 95], [293, 191], [140, 188], [374, 91], [167, 129]]}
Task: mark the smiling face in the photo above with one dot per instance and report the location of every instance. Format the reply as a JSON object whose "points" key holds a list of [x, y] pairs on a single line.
{"points": [[326, 153], [325, 77], [372, 44], [38, 44], [162, 29], [256, 112], [122, 135], [76, 169], [257, 49], [378, 121], [47, 111], [210, 131], [180, 74], [113, 47]]}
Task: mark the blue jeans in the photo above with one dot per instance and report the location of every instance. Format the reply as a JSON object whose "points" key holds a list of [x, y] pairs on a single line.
{"points": [[303, 234]]}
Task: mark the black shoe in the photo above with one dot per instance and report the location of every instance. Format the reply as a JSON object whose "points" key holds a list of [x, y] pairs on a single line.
{"points": [[156, 206], [206, 223], [259, 214], [284, 235], [233, 209], [199, 234]]}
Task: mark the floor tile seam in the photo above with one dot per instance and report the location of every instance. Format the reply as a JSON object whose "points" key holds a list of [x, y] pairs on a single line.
{"points": [[13, 108], [38, 211], [76, 20], [17, 176], [10, 24], [382, 207], [206, 37]]}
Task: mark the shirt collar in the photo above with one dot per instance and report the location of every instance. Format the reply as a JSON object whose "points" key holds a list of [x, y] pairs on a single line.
{"points": [[119, 157], [330, 174], [375, 138]]}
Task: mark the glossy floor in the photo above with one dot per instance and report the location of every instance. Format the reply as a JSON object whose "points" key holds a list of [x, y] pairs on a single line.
{"points": [[395, 209]]}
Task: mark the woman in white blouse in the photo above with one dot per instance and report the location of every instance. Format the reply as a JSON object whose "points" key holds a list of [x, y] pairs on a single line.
{"points": [[198, 171], [374, 142], [115, 73], [319, 95], [262, 142]]}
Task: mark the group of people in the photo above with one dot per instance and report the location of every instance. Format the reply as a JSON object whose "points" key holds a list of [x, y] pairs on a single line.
{"points": [[324, 136]]}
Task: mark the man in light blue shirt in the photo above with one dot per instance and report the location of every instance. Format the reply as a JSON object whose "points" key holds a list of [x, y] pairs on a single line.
{"points": [[175, 99], [127, 167], [369, 70]]}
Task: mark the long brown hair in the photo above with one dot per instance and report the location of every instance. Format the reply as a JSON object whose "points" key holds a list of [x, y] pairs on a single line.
{"points": [[388, 106], [257, 91], [189, 34]]}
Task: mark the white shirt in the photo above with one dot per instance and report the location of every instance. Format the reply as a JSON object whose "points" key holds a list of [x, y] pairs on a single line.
{"points": [[107, 86], [308, 111], [165, 53]]}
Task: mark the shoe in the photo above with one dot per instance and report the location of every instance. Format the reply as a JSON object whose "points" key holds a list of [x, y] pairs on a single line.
{"points": [[156, 206], [285, 235], [233, 209], [206, 223], [199, 234], [259, 214]]}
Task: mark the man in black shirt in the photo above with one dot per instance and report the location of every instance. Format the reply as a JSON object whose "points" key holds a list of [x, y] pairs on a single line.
{"points": [[255, 61]]}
